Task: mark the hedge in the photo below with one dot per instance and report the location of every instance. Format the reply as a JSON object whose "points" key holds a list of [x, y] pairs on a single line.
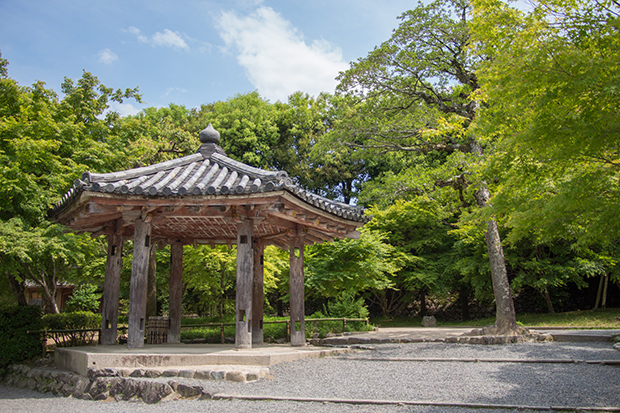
{"points": [[79, 320], [15, 344]]}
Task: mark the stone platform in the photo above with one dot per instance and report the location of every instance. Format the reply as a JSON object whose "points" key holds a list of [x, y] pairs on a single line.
{"points": [[183, 357], [459, 334]]}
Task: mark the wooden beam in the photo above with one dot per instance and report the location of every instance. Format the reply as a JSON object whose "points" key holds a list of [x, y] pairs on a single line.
{"points": [[330, 229], [319, 234]]}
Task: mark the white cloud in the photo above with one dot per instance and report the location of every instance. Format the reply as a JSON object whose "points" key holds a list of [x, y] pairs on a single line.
{"points": [[166, 39], [107, 56], [135, 31], [169, 39], [275, 56], [172, 90], [124, 109]]}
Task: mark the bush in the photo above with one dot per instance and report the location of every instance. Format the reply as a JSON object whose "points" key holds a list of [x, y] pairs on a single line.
{"points": [[346, 306], [79, 320], [210, 334], [84, 298], [273, 331], [15, 344], [320, 329]]}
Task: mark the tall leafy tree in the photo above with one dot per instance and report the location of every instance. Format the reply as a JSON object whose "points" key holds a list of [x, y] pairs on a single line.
{"points": [[352, 265], [169, 132], [550, 84], [420, 231], [248, 128], [414, 94], [45, 143]]}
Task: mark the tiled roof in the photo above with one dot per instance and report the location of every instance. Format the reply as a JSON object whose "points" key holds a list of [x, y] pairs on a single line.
{"points": [[207, 172]]}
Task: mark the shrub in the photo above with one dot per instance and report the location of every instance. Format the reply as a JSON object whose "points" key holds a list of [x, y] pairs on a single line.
{"points": [[273, 331], [322, 328], [84, 298], [15, 344], [347, 306], [79, 320], [210, 334]]}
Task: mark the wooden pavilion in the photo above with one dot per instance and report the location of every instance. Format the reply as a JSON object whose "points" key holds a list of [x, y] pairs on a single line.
{"points": [[204, 198]]}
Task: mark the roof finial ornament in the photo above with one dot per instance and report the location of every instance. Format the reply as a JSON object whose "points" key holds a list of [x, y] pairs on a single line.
{"points": [[209, 135]]}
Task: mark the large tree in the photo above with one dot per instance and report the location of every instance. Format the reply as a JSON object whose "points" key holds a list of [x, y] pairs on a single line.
{"points": [[550, 83], [414, 94], [45, 143]]}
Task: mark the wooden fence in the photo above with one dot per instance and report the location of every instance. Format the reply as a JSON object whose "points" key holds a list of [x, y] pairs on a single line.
{"points": [[78, 337]]}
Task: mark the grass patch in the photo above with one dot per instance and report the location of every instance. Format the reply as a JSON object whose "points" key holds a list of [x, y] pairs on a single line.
{"points": [[608, 318], [396, 321]]}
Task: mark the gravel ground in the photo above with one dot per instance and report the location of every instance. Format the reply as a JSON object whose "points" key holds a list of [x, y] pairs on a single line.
{"points": [[521, 351], [575, 385]]}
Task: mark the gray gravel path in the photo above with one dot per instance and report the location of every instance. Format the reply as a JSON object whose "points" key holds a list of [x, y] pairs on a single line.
{"points": [[575, 385], [522, 351]]}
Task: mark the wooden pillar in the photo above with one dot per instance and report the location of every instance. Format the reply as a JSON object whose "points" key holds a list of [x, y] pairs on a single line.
{"points": [[296, 292], [137, 286], [111, 286], [243, 303], [151, 284], [258, 294], [176, 292]]}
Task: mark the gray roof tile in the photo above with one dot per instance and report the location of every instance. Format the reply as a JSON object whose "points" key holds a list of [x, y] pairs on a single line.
{"points": [[207, 172]]}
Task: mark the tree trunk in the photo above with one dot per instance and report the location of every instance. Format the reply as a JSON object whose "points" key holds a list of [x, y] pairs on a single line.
{"points": [[549, 303], [423, 302], [222, 285], [48, 300], [382, 298], [604, 300], [18, 289], [599, 293], [464, 302], [48, 284], [505, 316], [279, 306], [175, 296]]}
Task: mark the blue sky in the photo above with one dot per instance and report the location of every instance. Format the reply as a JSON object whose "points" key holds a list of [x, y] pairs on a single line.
{"points": [[191, 52]]}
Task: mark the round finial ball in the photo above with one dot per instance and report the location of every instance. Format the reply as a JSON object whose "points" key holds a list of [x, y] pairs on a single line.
{"points": [[209, 135]]}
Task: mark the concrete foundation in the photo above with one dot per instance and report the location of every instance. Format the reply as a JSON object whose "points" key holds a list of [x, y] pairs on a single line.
{"points": [[182, 357]]}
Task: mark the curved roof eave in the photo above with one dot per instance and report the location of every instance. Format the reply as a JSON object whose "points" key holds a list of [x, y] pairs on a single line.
{"points": [[207, 172]]}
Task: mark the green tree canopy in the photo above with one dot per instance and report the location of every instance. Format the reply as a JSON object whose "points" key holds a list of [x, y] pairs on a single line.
{"points": [[351, 265], [550, 83], [45, 144], [415, 97]]}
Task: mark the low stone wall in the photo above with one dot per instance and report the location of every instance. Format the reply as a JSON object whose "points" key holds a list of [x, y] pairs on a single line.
{"points": [[347, 340], [492, 339], [109, 384]]}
